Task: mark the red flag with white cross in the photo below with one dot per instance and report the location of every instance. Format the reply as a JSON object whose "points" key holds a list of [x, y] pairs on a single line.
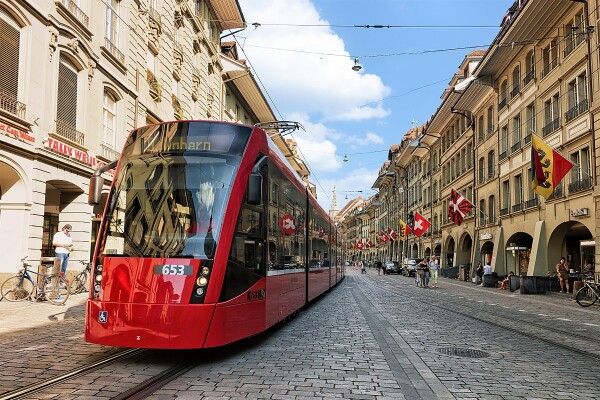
{"points": [[421, 225]]}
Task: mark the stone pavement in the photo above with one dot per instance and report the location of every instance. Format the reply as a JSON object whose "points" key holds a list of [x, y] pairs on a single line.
{"points": [[371, 337]]}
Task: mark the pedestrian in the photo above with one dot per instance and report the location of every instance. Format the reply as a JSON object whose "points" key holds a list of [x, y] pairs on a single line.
{"points": [[378, 265], [479, 272], [504, 283], [425, 273], [563, 275], [487, 271], [63, 245], [433, 271], [419, 274]]}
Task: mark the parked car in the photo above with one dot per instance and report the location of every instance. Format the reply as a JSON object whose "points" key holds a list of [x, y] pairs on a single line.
{"points": [[392, 267], [410, 266]]}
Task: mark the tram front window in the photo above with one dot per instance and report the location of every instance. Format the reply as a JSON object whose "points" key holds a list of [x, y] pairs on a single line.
{"points": [[169, 206]]}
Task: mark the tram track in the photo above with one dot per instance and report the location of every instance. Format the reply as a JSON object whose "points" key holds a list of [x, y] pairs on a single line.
{"points": [[28, 390], [586, 340]]}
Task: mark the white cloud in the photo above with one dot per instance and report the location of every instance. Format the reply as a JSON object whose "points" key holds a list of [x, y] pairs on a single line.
{"points": [[323, 86], [358, 179]]}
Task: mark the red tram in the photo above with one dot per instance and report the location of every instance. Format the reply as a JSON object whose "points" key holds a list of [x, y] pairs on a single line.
{"points": [[208, 236]]}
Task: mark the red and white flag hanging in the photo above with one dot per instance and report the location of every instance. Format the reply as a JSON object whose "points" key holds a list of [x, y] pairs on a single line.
{"points": [[392, 234], [421, 225], [458, 207]]}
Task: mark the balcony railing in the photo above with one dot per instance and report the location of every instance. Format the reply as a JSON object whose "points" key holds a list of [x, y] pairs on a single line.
{"points": [[532, 203], [9, 103], [517, 207], [528, 78], [551, 126], [502, 104], [503, 155], [504, 211], [67, 131], [76, 12], [491, 174], [112, 49], [515, 91], [553, 64], [557, 193], [108, 151], [575, 41], [580, 185], [527, 138], [577, 110], [515, 147]]}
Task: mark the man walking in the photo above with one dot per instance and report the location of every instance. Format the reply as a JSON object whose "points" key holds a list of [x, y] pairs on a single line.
{"points": [[433, 271]]}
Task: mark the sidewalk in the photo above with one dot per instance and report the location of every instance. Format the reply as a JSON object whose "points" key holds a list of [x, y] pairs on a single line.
{"points": [[27, 314]]}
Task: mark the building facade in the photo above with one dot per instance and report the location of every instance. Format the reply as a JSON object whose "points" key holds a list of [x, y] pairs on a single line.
{"points": [[78, 76], [540, 76]]}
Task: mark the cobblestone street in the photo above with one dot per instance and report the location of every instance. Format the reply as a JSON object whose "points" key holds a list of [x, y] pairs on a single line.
{"points": [[371, 337]]}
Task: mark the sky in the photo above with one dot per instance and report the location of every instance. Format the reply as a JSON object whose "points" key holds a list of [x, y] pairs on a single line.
{"points": [[302, 53]]}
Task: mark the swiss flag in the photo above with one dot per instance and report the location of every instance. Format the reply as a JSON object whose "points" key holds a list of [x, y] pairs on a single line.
{"points": [[360, 245], [392, 233], [421, 225], [384, 236], [369, 243]]}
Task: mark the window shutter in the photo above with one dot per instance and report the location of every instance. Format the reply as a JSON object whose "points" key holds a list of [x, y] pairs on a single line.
{"points": [[9, 62], [66, 110]]}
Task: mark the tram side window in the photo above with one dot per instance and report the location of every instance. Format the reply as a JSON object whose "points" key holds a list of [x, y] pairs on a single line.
{"points": [[246, 264], [319, 240], [286, 239]]}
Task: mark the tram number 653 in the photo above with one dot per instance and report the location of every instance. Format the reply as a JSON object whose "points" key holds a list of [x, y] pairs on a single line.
{"points": [[173, 269]]}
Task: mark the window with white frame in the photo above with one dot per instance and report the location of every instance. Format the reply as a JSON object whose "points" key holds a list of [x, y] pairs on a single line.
{"points": [[551, 114], [491, 210], [581, 170], [112, 21], [529, 68], [504, 142], [530, 121], [529, 188], [516, 133], [577, 98], [550, 57], [518, 192], [505, 198], [574, 33], [109, 119]]}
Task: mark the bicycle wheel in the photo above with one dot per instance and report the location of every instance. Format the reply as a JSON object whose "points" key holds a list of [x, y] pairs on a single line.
{"points": [[16, 288], [79, 284], [586, 296], [56, 289]]}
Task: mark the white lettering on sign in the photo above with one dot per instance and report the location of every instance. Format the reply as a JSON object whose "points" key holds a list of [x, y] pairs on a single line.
{"points": [[580, 212], [486, 236]]}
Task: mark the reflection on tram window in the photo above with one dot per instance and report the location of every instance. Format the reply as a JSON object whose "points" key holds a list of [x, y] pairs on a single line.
{"points": [[169, 206]]}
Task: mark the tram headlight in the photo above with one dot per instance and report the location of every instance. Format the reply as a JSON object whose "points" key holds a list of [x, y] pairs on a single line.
{"points": [[205, 270], [99, 268], [202, 281], [200, 291], [97, 288], [98, 278]]}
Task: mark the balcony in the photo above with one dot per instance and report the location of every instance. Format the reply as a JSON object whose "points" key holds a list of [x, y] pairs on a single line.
{"points": [[575, 41], [549, 67], [108, 152], [557, 193], [577, 110], [515, 147], [530, 76], [551, 126], [580, 185], [76, 12], [517, 207], [532, 203], [491, 174], [9, 103], [490, 130], [503, 155], [67, 131], [502, 104], [504, 211], [515, 91], [112, 49]]}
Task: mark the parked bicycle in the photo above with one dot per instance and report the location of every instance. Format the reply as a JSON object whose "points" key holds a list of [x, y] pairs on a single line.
{"points": [[588, 294], [31, 285], [81, 281]]}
